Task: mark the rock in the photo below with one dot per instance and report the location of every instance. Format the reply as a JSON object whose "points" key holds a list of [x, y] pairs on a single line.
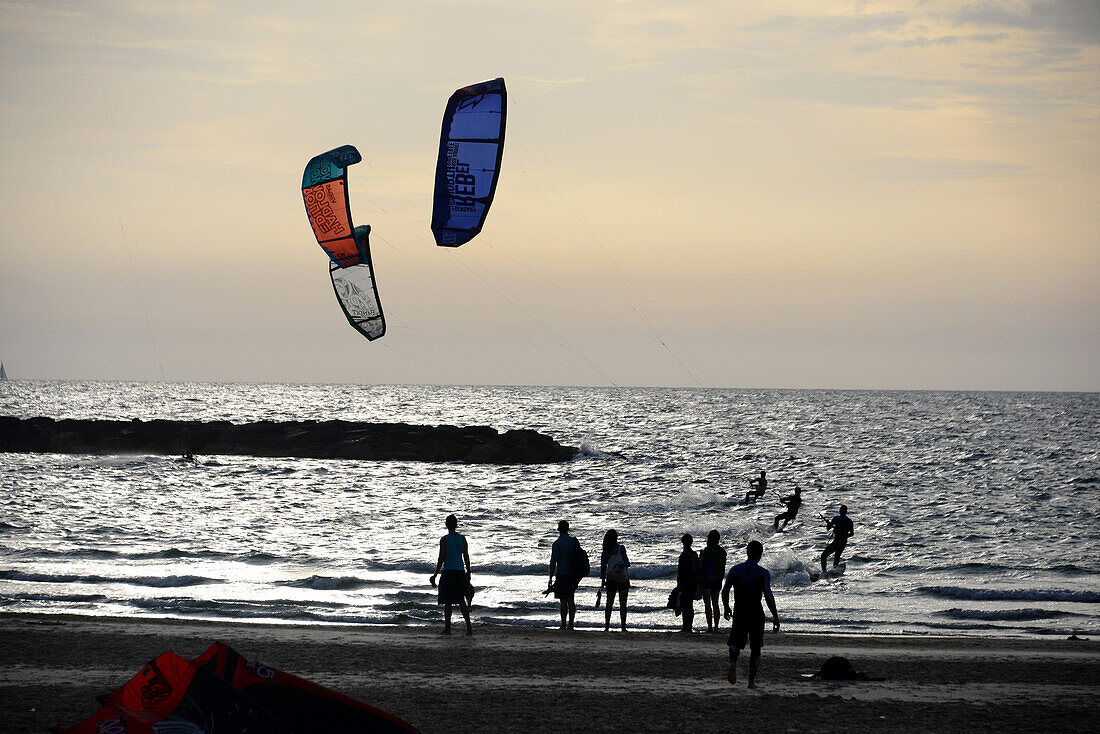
{"points": [[300, 439]]}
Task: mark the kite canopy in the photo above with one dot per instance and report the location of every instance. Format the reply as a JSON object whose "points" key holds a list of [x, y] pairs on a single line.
{"points": [[325, 191], [357, 293], [471, 146], [220, 692]]}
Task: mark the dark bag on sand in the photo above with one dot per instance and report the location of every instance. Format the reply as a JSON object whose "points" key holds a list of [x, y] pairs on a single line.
{"points": [[582, 566], [839, 668]]}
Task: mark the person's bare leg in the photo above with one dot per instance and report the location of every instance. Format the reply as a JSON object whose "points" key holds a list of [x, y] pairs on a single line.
{"points": [[706, 608], [466, 616], [731, 674], [572, 611], [754, 666], [622, 608], [446, 619], [564, 606]]}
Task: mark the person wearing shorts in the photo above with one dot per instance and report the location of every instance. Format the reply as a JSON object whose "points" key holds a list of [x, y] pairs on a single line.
{"points": [[563, 578], [749, 581], [712, 561], [454, 561]]}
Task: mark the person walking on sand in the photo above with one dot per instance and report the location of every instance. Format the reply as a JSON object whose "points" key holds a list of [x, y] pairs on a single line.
{"points": [[712, 563], [842, 528], [687, 582], [563, 576], [758, 487], [454, 560], [749, 581], [793, 502], [613, 577]]}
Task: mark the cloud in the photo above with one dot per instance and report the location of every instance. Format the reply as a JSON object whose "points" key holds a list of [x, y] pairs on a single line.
{"points": [[938, 169], [542, 86], [834, 26], [885, 91], [1075, 20]]}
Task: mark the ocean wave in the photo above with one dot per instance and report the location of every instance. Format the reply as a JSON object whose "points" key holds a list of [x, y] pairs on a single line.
{"points": [[960, 592], [336, 583], [159, 582], [1008, 615]]}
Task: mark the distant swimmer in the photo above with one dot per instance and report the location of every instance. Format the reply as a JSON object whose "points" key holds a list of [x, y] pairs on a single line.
{"points": [[759, 487], [454, 584], [749, 581], [793, 502], [842, 528]]}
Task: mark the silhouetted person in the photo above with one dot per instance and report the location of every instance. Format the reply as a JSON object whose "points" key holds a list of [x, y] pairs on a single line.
{"points": [[614, 577], [757, 486], [749, 581], [454, 560], [842, 528], [687, 582], [563, 578], [793, 502], [712, 563]]}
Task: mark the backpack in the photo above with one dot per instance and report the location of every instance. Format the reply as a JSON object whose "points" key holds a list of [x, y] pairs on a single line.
{"points": [[616, 567], [581, 566]]}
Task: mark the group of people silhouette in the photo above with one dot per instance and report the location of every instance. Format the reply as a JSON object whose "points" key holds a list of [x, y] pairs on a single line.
{"points": [[698, 576]]}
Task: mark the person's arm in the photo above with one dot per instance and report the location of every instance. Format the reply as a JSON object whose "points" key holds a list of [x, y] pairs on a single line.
{"points": [[603, 569], [439, 561], [851, 529], [466, 556], [771, 602], [553, 563], [726, 595], [626, 561]]}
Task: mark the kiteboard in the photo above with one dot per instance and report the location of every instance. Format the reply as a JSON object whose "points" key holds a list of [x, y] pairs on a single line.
{"points": [[831, 573]]}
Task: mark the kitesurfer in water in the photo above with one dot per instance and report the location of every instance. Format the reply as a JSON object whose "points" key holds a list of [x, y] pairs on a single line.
{"points": [[842, 528], [749, 581], [563, 578], [758, 487], [454, 584], [793, 502]]}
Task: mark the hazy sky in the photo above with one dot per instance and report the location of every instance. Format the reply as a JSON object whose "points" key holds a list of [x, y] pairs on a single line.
{"points": [[734, 194]]}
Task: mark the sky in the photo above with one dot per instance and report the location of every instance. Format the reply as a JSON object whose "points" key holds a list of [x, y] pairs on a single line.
{"points": [[885, 195]]}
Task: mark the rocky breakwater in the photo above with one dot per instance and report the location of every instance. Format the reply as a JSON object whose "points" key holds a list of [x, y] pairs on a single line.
{"points": [[299, 439]]}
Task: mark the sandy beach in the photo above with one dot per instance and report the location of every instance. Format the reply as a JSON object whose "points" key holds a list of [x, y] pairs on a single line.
{"points": [[546, 680]]}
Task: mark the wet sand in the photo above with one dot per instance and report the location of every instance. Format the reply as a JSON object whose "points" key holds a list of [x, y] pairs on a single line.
{"points": [[52, 667]]}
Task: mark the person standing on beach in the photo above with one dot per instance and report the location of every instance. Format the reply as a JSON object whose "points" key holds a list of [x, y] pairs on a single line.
{"points": [[712, 563], [687, 582], [793, 502], [614, 577], [563, 578], [749, 581], [759, 487], [454, 560], [842, 528]]}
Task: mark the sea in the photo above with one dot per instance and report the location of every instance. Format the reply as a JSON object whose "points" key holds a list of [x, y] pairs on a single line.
{"points": [[975, 513]]}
